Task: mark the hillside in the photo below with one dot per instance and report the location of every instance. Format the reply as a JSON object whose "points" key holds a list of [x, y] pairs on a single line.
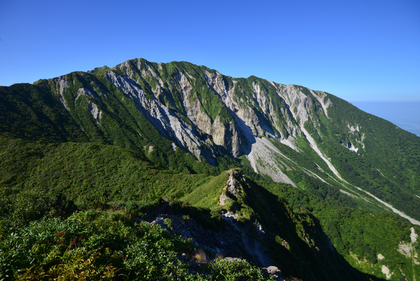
{"points": [[329, 185]]}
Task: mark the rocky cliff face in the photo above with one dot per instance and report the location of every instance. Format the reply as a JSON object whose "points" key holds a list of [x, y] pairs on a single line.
{"points": [[215, 112]]}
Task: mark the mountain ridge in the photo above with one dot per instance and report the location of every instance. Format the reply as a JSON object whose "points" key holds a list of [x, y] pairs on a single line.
{"points": [[188, 119], [198, 127]]}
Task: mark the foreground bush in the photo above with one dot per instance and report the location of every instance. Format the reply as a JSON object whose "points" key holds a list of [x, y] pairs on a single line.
{"points": [[97, 245]]}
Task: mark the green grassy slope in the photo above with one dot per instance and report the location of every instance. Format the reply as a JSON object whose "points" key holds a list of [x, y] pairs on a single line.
{"points": [[388, 165], [85, 174]]}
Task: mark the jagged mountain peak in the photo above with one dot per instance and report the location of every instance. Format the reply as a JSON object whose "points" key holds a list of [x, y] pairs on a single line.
{"points": [[250, 100]]}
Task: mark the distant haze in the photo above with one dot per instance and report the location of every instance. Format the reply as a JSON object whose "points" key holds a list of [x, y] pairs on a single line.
{"points": [[405, 115]]}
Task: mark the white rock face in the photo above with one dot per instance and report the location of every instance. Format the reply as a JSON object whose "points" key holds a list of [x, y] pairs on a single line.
{"points": [[247, 115], [96, 113], [62, 84], [166, 121], [264, 159], [224, 135], [320, 96], [84, 92], [386, 271], [409, 249], [297, 101], [299, 105], [352, 128], [413, 235], [351, 147], [255, 117]]}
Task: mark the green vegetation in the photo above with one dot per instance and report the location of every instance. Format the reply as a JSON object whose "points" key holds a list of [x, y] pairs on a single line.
{"points": [[358, 235], [99, 70], [388, 165], [38, 115], [140, 185], [82, 173], [81, 161], [107, 246]]}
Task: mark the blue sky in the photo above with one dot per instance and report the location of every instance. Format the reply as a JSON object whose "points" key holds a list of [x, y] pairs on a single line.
{"points": [[358, 50]]}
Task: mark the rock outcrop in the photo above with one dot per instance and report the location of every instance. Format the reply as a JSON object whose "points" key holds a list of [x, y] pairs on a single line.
{"points": [[218, 113]]}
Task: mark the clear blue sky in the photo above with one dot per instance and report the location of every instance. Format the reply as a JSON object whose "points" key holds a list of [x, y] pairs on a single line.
{"points": [[359, 50]]}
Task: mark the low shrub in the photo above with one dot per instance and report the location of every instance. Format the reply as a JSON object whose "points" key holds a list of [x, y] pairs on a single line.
{"points": [[99, 245]]}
